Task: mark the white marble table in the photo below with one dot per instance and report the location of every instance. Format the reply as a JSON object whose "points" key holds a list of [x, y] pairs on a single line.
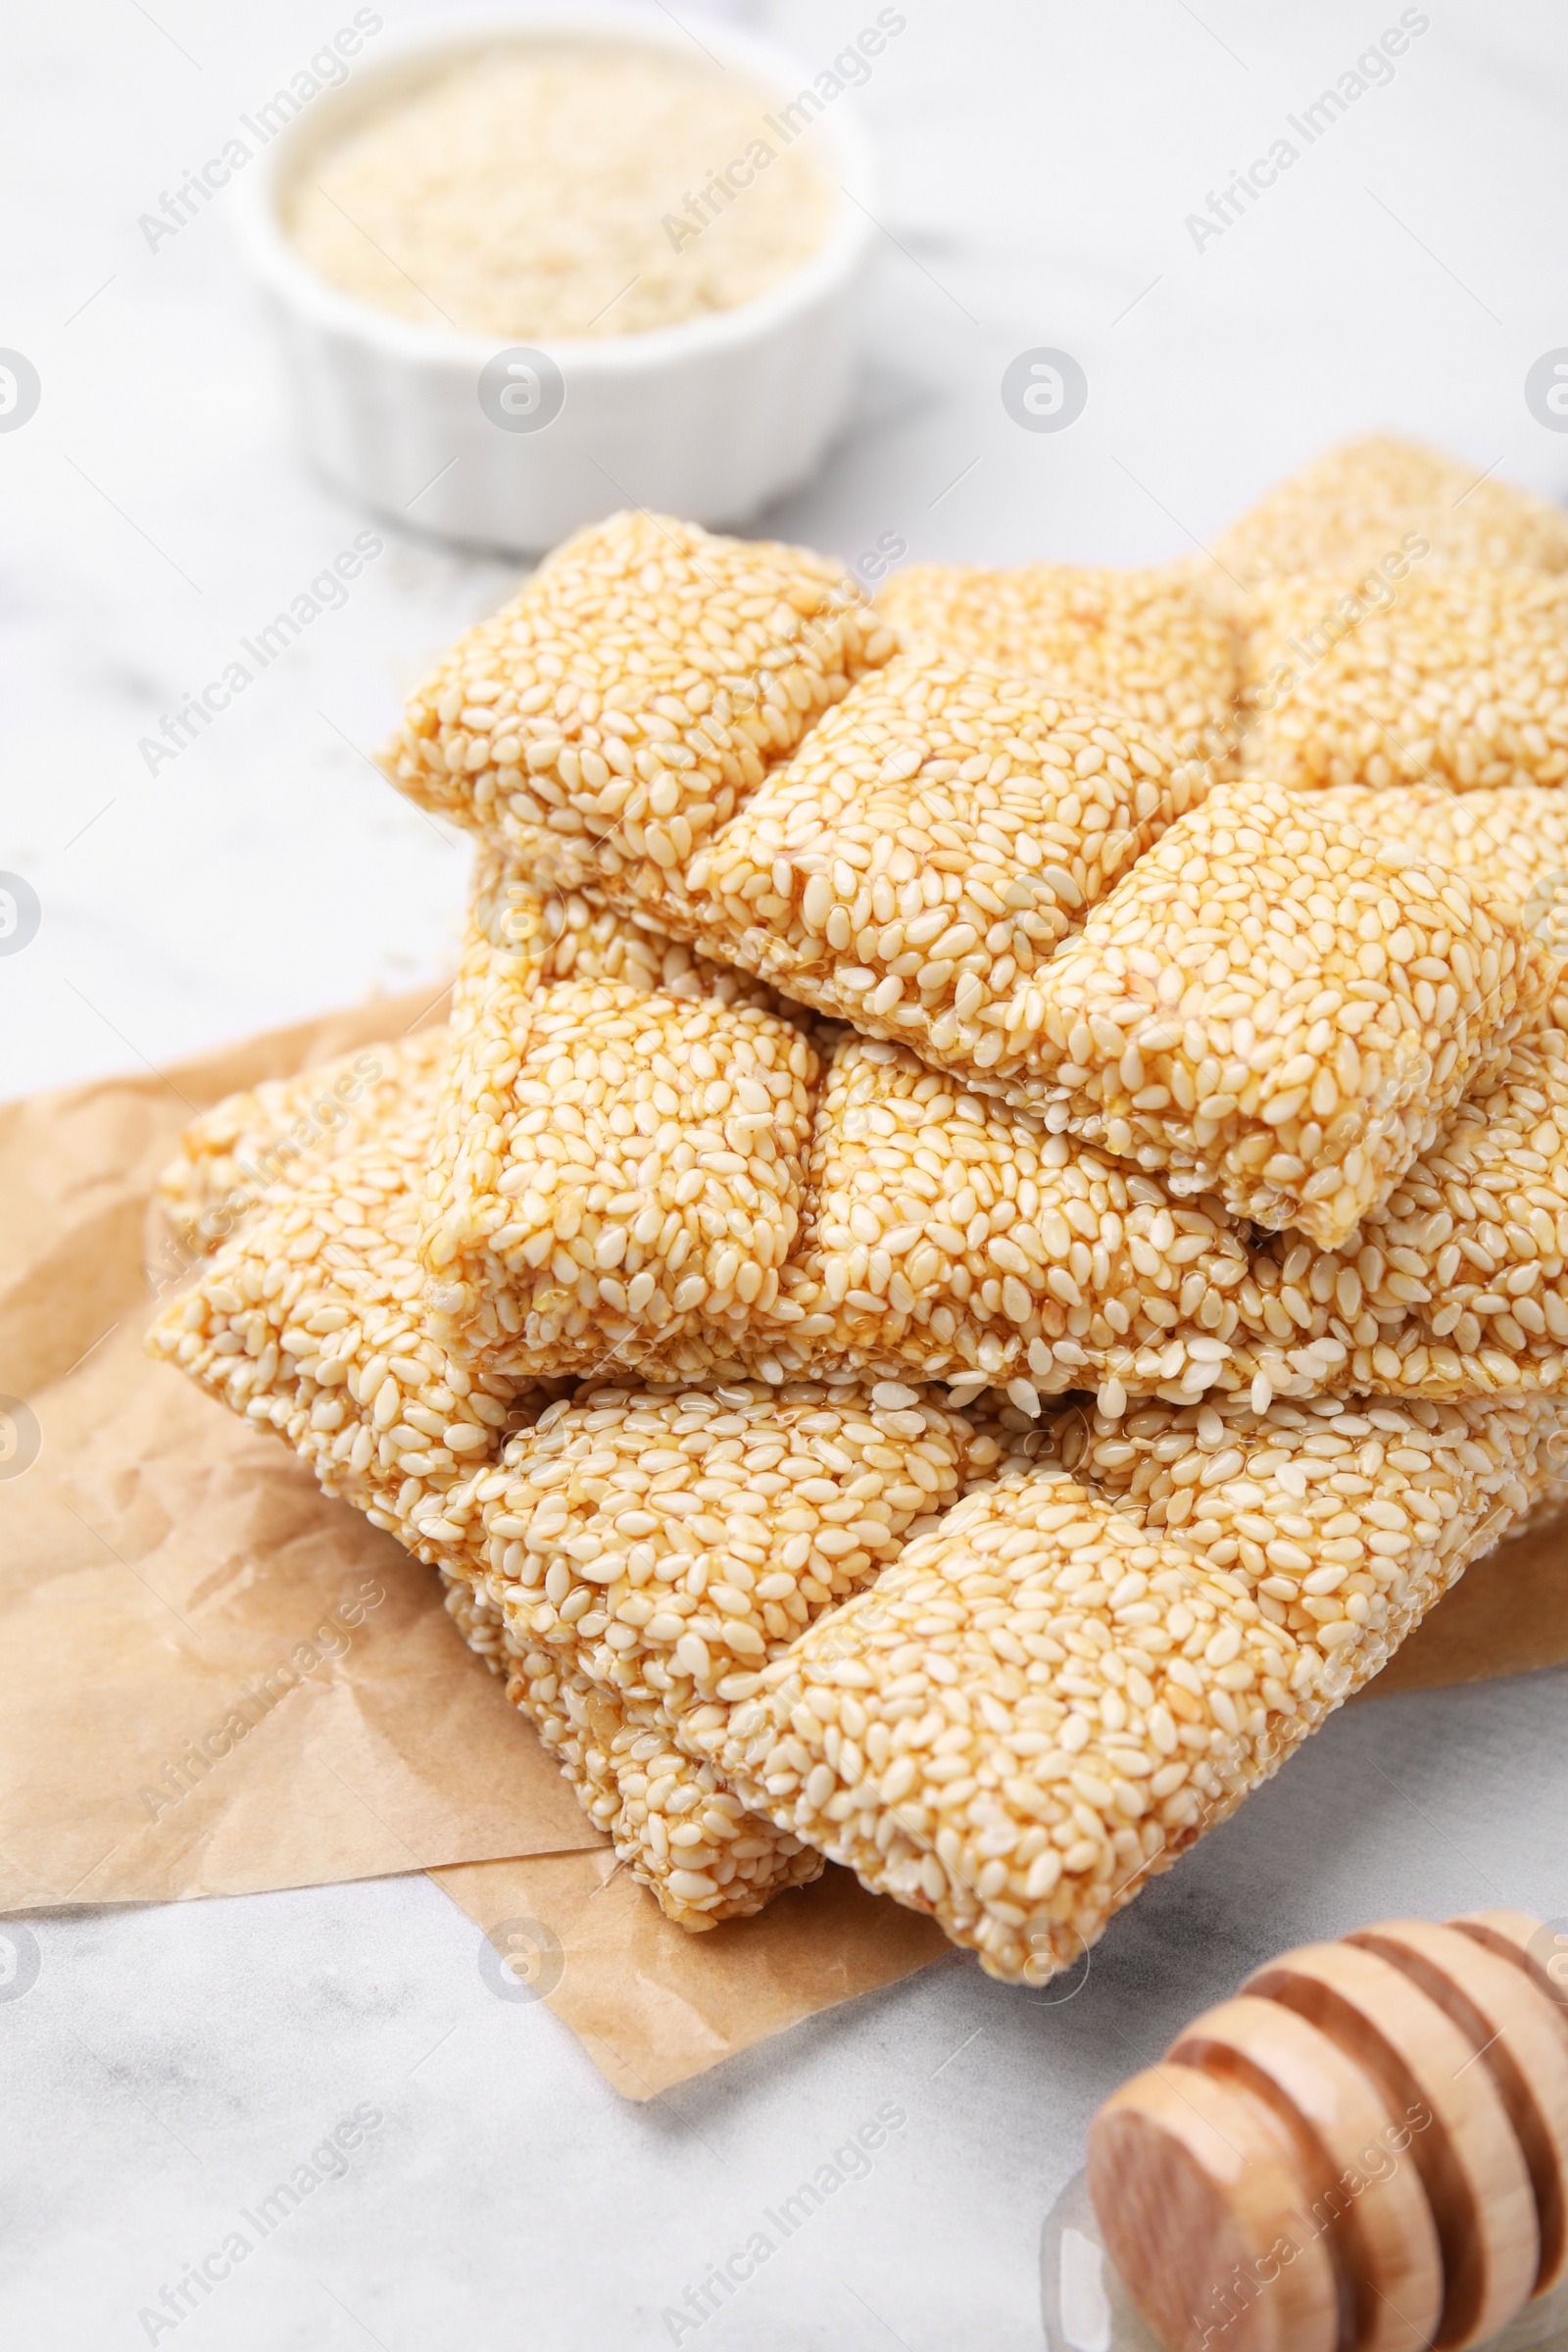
{"points": [[167, 2066]]}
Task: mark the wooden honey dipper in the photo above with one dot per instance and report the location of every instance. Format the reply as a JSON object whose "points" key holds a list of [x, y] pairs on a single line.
{"points": [[1365, 2152]]}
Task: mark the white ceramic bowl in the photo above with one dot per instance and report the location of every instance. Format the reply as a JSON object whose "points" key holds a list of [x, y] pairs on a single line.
{"points": [[709, 420]]}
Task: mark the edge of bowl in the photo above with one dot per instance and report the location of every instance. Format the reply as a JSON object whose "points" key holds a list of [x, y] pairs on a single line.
{"points": [[274, 259]]}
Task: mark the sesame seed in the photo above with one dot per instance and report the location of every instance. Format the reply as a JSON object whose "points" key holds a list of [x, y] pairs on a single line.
{"points": [[529, 194]]}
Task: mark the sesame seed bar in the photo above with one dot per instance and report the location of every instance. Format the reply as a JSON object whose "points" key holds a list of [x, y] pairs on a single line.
{"points": [[672, 1822], [956, 1238], [940, 1234], [1149, 643], [229, 1159], [1351, 507], [1457, 676], [685, 1834], [620, 1176], [936, 839], [520, 946], [1320, 1499], [309, 1321], [1278, 1007], [226, 1160], [952, 1238], [609, 719], [1473, 1244], [672, 1544], [1054, 1692], [1508, 843], [953, 1234]]}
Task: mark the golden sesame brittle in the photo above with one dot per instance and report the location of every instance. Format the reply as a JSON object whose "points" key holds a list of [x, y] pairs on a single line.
{"points": [[609, 718], [919, 863], [1460, 677], [1276, 1006], [1357, 504], [1083, 1668], [675, 1543], [623, 1180], [673, 1824], [1149, 643]]}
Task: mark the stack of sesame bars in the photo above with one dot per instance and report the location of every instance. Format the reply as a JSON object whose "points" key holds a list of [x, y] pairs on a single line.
{"points": [[990, 1225]]}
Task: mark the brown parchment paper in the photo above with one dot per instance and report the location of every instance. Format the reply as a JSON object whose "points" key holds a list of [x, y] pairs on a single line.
{"points": [[211, 1680], [652, 2004], [216, 1680]]}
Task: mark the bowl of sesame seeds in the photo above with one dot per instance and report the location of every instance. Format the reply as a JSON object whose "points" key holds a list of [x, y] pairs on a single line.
{"points": [[529, 270]]}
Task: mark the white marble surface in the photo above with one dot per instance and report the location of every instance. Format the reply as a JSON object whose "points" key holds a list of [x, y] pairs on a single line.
{"points": [[168, 2065]]}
